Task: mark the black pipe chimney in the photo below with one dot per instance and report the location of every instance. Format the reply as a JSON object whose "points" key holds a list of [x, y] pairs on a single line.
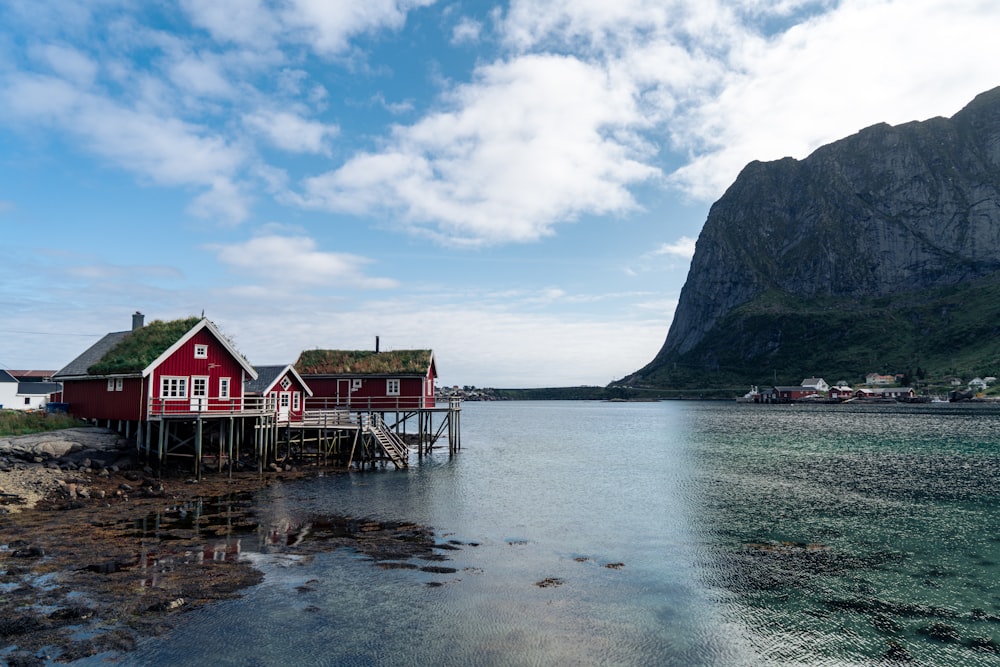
{"points": [[376, 344]]}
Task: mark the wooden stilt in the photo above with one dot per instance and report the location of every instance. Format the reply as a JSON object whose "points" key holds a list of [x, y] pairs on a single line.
{"points": [[197, 448]]}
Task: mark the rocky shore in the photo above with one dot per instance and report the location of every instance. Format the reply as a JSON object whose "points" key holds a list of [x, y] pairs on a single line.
{"points": [[81, 574]]}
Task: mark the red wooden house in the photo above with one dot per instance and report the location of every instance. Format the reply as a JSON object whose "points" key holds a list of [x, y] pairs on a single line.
{"points": [[163, 369], [365, 379], [283, 388]]}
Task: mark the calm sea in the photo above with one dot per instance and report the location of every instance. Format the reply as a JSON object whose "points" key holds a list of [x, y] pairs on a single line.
{"points": [[674, 533]]}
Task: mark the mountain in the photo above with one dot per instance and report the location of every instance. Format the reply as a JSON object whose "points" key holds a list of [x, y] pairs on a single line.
{"points": [[878, 252]]}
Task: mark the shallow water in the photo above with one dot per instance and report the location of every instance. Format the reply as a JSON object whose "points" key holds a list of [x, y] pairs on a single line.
{"points": [[664, 534]]}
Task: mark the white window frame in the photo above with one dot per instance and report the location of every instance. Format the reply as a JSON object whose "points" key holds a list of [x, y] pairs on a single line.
{"points": [[201, 351], [173, 386], [296, 401], [223, 387], [285, 383], [392, 387], [111, 384], [199, 382], [119, 384], [284, 400], [356, 384]]}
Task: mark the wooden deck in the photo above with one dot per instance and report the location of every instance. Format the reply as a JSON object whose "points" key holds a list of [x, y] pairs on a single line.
{"points": [[326, 435]]}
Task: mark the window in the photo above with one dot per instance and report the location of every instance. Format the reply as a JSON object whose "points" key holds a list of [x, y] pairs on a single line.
{"points": [[284, 400], [119, 384], [355, 384], [199, 387], [285, 383], [392, 387], [111, 384], [297, 401], [223, 387], [27, 400], [173, 387], [201, 351]]}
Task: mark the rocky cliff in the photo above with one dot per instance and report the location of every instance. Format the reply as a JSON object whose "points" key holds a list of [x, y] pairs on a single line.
{"points": [[891, 217]]}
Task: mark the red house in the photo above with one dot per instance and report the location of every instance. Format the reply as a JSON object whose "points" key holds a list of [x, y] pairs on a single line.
{"points": [[794, 393], [363, 379], [284, 390], [164, 368]]}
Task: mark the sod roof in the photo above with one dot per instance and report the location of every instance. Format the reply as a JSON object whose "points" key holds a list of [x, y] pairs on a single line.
{"points": [[139, 348], [364, 362]]}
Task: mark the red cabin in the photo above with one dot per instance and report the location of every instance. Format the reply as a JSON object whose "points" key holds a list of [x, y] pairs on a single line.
{"points": [[363, 379], [165, 368], [284, 390]]}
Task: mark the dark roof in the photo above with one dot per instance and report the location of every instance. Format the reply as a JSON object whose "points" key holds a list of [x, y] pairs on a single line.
{"points": [[6, 377], [92, 355], [31, 375], [38, 388], [266, 375], [365, 362]]}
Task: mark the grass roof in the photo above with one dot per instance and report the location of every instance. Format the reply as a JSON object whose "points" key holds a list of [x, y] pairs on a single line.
{"points": [[348, 362], [141, 347]]}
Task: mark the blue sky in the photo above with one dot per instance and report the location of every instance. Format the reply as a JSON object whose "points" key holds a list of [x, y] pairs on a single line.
{"points": [[517, 185]]}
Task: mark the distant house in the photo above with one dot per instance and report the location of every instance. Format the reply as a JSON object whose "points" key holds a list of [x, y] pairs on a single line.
{"points": [[365, 379], [841, 392], [16, 394], [36, 395], [284, 389], [8, 390], [875, 379], [786, 394], [977, 384], [886, 393], [165, 368], [819, 384]]}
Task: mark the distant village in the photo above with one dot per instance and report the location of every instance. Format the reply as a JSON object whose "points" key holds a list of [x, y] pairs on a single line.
{"points": [[877, 388], [468, 393]]}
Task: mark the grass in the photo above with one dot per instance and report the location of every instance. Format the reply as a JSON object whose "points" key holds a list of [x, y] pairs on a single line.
{"points": [[16, 422], [141, 347], [344, 362]]}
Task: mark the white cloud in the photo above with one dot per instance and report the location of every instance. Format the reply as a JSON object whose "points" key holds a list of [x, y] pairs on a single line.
{"points": [[733, 82], [295, 260], [167, 150], [200, 76], [247, 22], [328, 25], [466, 31], [532, 142], [291, 132], [69, 63], [682, 247], [865, 62], [473, 344]]}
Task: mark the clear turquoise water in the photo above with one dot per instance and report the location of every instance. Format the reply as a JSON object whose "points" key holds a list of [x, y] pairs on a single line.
{"points": [[738, 535]]}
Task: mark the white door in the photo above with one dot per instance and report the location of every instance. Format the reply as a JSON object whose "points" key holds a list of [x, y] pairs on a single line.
{"points": [[284, 401], [199, 394]]}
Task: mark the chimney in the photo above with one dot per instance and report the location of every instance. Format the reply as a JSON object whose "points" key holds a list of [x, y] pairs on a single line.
{"points": [[137, 320], [376, 344]]}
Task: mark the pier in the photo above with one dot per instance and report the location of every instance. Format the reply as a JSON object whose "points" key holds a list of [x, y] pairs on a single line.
{"points": [[254, 435]]}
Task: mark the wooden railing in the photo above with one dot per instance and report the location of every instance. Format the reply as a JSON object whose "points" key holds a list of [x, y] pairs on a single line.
{"points": [[367, 404], [250, 405], [391, 444]]}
